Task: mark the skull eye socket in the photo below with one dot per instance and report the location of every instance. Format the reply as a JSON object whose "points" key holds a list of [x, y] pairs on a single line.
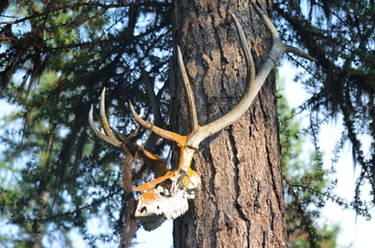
{"points": [[143, 209], [168, 184]]}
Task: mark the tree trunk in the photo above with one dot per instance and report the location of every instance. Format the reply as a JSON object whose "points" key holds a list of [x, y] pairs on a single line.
{"points": [[241, 200]]}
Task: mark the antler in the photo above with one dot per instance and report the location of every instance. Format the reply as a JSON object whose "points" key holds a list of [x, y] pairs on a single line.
{"points": [[157, 164], [179, 184]]}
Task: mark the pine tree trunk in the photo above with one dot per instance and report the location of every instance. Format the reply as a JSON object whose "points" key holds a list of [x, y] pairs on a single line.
{"points": [[241, 200]]}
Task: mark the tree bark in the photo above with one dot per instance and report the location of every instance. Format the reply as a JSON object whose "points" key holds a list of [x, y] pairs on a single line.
{"points": [[241, 200]]}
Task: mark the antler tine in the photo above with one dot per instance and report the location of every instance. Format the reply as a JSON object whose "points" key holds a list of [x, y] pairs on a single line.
{"points": [[110, 140], [245, 48], [252, 88], [103, 116], [267, 21], [275, 35], [194, 124], [179, 139]]}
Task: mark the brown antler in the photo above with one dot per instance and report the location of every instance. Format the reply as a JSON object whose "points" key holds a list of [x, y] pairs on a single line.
{"points": [[157, 164], [179, 184]]}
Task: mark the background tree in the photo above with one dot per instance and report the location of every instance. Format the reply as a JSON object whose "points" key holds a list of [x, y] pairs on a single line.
{"points": [[341, 85], [307, 185], [57, 56]]}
